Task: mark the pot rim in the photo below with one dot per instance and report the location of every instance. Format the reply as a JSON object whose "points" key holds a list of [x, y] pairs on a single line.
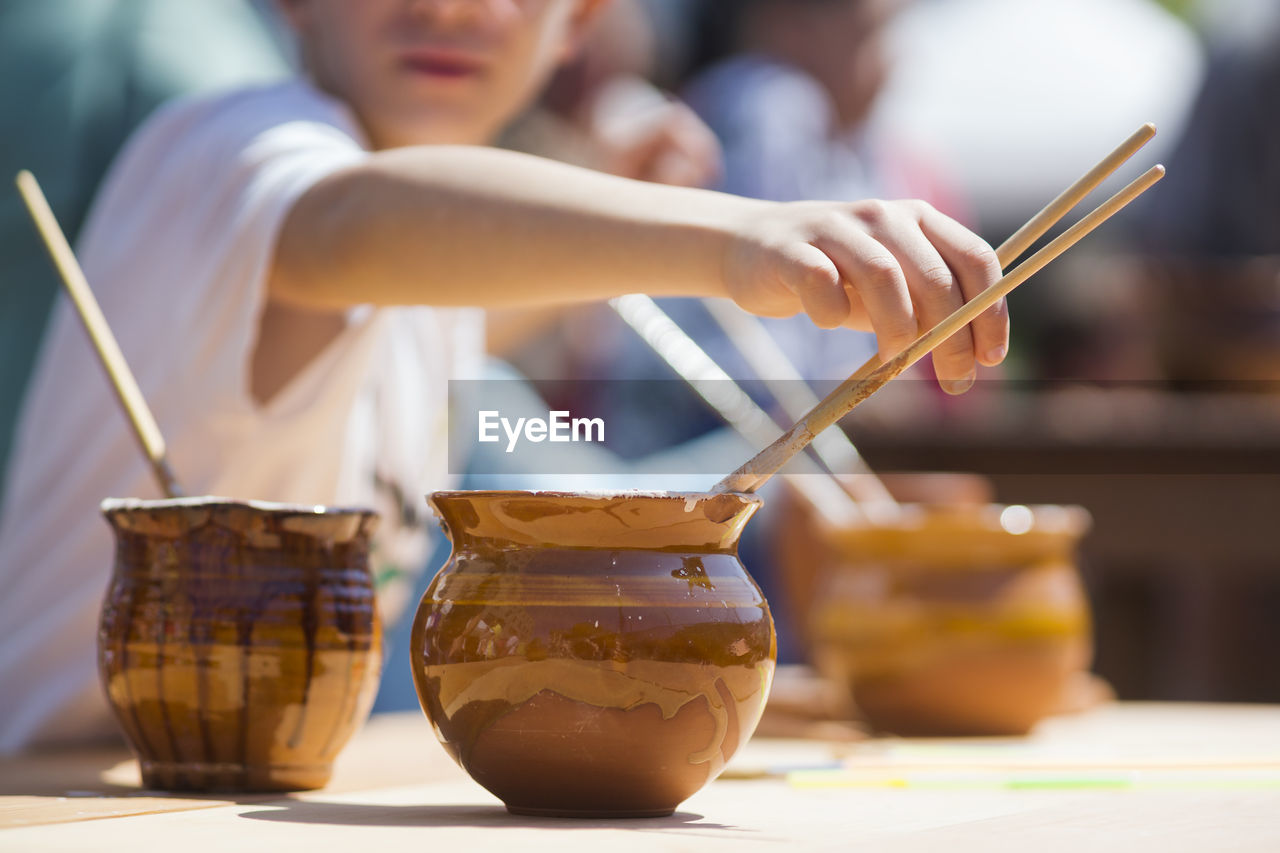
{"points": [[1044, 519], [696, 520], [589, 494], [211, 501]]}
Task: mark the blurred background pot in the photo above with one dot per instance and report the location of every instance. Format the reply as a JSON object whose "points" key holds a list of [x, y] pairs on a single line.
{"points": [[955, 620], [239, 643], [803, 553], [1218, 319], [593, 655]]}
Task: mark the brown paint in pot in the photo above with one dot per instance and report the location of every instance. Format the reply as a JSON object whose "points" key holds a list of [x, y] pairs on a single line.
{"points": [[239, 643], [593, 655], [960, 620]]}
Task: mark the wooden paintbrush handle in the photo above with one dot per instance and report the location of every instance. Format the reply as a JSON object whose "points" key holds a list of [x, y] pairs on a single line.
{"points": [[126, 387], [854, 390]]}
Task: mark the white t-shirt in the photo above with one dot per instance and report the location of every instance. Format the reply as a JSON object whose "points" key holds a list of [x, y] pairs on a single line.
{"points": [[177, 249]]}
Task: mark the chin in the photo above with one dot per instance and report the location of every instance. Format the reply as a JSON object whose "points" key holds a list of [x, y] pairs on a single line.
{"points": [[441, 127]]}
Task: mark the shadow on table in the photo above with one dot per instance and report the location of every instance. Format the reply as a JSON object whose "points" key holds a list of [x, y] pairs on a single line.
{"points": [[105, 769], [496, 817], [102, 772]]}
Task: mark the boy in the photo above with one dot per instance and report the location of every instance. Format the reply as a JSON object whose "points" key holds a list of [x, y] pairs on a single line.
{"points": [[242, 246]]}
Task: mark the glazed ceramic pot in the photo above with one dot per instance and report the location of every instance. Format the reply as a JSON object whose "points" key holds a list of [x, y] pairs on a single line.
{"points": [[962, 620], [1217, 320], [593, 655], [802, 552], [239, 643]]}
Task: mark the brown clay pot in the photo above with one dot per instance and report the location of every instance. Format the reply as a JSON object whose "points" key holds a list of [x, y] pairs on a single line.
{"points": [[1218, 319], [593, 655], [962, 620], [239, 643], [802, 553]]}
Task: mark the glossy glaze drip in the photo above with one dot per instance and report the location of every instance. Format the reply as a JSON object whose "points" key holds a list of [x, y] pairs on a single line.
{"points": [[692, 571], [232, 638]]}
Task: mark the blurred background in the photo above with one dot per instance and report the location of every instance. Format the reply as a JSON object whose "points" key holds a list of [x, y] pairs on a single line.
{"points": [[1144, 378]]}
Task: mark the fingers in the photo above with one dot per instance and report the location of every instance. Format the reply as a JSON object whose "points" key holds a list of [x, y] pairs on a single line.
{"points": [[857, 319], [676, 148], [935, 293], [896, 268], [977, 268], [876, 276], [692, 156], [811, 275]]}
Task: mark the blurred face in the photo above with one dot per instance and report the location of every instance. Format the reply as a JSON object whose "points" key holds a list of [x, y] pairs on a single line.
{"points": [[842, 44], [435, 71]]}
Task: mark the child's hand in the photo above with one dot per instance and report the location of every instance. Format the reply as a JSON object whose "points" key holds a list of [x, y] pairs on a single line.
{"points": [[640, 133], [676, 148], [895, 268]]}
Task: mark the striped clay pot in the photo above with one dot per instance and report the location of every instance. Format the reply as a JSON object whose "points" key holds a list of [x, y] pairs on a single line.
{"points": [[239, 644]]}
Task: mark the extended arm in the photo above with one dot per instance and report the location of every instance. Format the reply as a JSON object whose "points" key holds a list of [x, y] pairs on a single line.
{"points": [[446, 225]]}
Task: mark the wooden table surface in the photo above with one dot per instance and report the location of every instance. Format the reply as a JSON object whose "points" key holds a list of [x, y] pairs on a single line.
{"points": [[1122, 776]]}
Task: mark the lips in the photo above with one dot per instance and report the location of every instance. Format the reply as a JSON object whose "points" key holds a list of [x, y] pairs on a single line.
{"points": [[442, 63]]}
